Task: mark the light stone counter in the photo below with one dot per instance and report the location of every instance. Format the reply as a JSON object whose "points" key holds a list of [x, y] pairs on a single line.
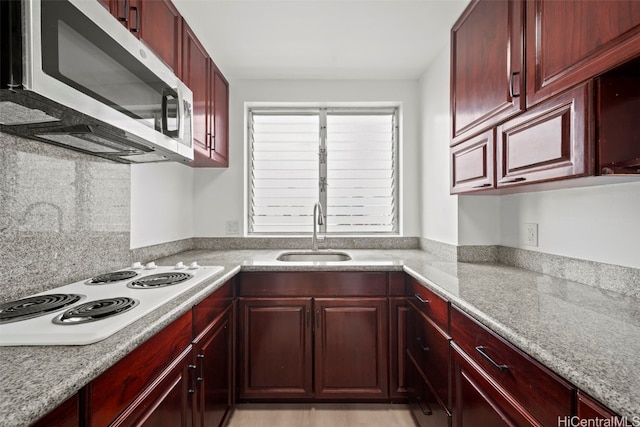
{"points": [[587, 335]]}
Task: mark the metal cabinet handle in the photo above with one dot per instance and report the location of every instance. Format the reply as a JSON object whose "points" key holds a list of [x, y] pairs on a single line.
{"points": [[308, 318], [192, 390], [518, 179], [481, 186], [511, 79], [422, 300], [200, 358], [422, 345], [480, 349], [125, 15], [428, 410], [318, 319], [137, 21]]}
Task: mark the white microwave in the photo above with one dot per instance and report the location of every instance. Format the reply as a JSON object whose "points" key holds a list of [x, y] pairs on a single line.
{"points": [[73, 76]]}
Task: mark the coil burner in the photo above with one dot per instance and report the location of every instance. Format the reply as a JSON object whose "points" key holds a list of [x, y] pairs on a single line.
{"points": [[116, 276], [159, 280], [38, 305], [95, 310]]}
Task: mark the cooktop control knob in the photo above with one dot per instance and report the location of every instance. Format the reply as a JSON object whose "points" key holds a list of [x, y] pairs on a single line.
{"points": [[136, 265], [150, 266], [180, 266], [194, 265]]}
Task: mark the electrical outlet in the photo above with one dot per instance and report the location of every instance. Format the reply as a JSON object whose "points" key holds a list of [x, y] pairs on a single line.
{"points": [[232, 228], [531, 234]]}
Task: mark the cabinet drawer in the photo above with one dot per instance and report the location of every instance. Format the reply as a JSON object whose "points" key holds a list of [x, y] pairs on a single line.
{"points": [[313, 284], [426, 409], [544, 395], [589, 409], [207, 310], [429, 348], [551, 141], [120, 385], [429, 303], [472, 164]]}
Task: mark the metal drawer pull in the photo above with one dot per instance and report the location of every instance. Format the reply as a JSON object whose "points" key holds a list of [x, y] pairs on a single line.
{"points": [[512, 76], [422, 346], [481, 186], [480, 349], [519, 179], [428, 410], [193, 388], [200, 358], [422, 300]]}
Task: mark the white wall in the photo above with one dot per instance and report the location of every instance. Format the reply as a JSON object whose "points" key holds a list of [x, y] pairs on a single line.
{"points": [[439, 219], [595, 223], [220, 194], [161, 203]]}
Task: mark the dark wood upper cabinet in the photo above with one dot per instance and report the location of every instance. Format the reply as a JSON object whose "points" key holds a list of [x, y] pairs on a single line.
{"points": [[487, 66], [219, 117], [195, 74], [161, 30], [210, 103], [542, 106], [571, 41], [617, 107], [553, 140], [473, 164]]}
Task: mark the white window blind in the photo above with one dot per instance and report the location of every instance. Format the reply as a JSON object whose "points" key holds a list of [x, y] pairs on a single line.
{"points": [[344, 158]]}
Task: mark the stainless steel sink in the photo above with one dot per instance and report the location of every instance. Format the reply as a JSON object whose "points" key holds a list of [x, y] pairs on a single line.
{"points": [[313, 256]]}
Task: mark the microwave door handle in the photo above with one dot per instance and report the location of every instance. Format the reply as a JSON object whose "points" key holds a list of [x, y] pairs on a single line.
{"points": [[166, 93]]}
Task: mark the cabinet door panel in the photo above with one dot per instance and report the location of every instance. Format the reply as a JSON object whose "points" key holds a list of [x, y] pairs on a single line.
{"points": [[472, 164], [161, 30], [551, 141], [427, 410], [276, 347], [572, 41], [195, 74], [214, 363], [219, 117], [397, 361], [487, 65], [351, 347]]}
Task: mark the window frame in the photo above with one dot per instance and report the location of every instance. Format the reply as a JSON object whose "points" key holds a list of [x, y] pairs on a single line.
{"points": [[322, 110]]}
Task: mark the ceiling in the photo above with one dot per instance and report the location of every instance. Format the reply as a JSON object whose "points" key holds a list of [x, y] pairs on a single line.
{"points": [[322, 39]]}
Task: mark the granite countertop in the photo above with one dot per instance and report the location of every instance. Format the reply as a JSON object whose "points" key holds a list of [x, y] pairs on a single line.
{"points": [[589, 336]]}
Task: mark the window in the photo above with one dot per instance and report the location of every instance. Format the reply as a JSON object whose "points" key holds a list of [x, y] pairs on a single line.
{"points": [[344, 158]]}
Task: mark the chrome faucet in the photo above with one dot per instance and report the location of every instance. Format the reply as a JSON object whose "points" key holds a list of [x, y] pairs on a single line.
{"points": [[317, 220]]}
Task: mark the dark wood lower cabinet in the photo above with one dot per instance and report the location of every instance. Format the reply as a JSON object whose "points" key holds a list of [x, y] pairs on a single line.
{"points": [[397, 344], [350, 348], [476, 402], [426, 408], [275, 348], [214, 371], [65, 415], [168, 402]]}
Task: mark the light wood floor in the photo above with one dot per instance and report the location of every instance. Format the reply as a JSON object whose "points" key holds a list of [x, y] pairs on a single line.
{"points": [[321, 415]]}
